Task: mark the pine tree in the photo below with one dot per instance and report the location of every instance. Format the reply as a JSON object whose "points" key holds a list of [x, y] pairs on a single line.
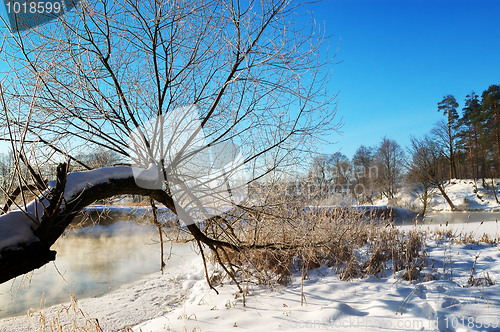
{"points": [[449, 107], [491, 107], [472, 119]]}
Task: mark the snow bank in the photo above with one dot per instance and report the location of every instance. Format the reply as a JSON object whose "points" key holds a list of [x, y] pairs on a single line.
{"points": [[77, 181], [369, 304], [16, 228], [466, 194]]}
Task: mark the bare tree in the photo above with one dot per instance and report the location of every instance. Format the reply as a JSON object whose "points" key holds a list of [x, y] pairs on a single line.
{"points": [[99, 158], [342, 171], [364, 172], [321, 173], [428, 168], [94, 77], [331, 173], [418, 174], [444, 134], [389, 159]]}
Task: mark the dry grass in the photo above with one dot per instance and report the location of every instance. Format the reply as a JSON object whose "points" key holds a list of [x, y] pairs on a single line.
{"points": [[463, 237], [294, 238], [484, 280], [67, 319]]}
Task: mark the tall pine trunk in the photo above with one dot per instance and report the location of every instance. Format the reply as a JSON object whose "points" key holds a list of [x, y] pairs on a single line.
{"points": [[453, 169]]}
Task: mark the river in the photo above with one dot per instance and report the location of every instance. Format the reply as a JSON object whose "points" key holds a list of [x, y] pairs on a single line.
{"points": [[460, 217], [88, 264]]}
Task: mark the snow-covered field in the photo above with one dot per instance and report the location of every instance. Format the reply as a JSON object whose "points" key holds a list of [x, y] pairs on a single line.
{"points": [[468, 195], [181, 300], [385, 303], [442, 300]]}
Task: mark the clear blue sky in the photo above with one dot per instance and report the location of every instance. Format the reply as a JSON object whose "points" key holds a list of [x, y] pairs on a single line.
{"points": [[401, 57]]}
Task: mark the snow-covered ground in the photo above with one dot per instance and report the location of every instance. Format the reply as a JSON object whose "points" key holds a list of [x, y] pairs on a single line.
{"points": [[466, 194], [181, 300], [386, 303], [442, 300]]}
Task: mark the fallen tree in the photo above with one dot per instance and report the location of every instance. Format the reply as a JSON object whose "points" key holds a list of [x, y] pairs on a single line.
{"points": [[51, 213]]}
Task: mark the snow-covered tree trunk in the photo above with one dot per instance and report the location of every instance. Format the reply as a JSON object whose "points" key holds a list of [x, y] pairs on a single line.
{"points": [[27, 234]]}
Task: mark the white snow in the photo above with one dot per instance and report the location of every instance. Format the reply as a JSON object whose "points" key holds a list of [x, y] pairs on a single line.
{"points": [[77, 181], [463, 195], [17, 226], [370, 304], [152, 297], [466, 194], [182, 301]]}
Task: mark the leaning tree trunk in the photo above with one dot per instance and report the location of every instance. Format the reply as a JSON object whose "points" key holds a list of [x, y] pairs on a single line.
{"points": [[443, 192], [60, 212]]}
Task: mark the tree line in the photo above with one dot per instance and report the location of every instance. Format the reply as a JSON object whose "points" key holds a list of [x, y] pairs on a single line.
{"points": [[465, 145]]}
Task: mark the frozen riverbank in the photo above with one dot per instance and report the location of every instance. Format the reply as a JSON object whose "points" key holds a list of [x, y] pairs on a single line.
{"points": [[443, 300]]}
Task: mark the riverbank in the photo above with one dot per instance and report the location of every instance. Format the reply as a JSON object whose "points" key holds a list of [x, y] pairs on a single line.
{"points": [[466, 195], [453, 293]]}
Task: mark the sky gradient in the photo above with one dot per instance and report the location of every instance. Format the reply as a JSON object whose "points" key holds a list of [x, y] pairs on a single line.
{"points": [[399, 58]]}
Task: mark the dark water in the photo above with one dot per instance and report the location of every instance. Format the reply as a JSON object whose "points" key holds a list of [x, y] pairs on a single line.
{"points": [[89, 263], [461, 217]]}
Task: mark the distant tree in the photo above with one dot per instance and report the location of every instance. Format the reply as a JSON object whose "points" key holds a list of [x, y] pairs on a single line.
{"points": [[321, 171], [389, 159], [449, 107], [362, 159], [491, 107], [418, 174], [427, 169], [330, 171], [341, 171], [472, 134], [362, 173], [100, 158], [6, 171]]}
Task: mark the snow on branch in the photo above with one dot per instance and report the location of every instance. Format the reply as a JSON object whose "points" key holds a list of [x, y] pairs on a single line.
{"points": [[28, 232]]}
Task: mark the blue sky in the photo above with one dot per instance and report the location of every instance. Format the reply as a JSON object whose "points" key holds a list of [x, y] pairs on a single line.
{"points": [[399, 58]]}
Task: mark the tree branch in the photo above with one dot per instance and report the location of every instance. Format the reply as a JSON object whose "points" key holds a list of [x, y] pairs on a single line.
{"points": [[60, 212]]}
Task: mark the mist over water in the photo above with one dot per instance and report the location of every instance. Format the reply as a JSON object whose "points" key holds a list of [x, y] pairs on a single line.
{"points": [[88, 264]]}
